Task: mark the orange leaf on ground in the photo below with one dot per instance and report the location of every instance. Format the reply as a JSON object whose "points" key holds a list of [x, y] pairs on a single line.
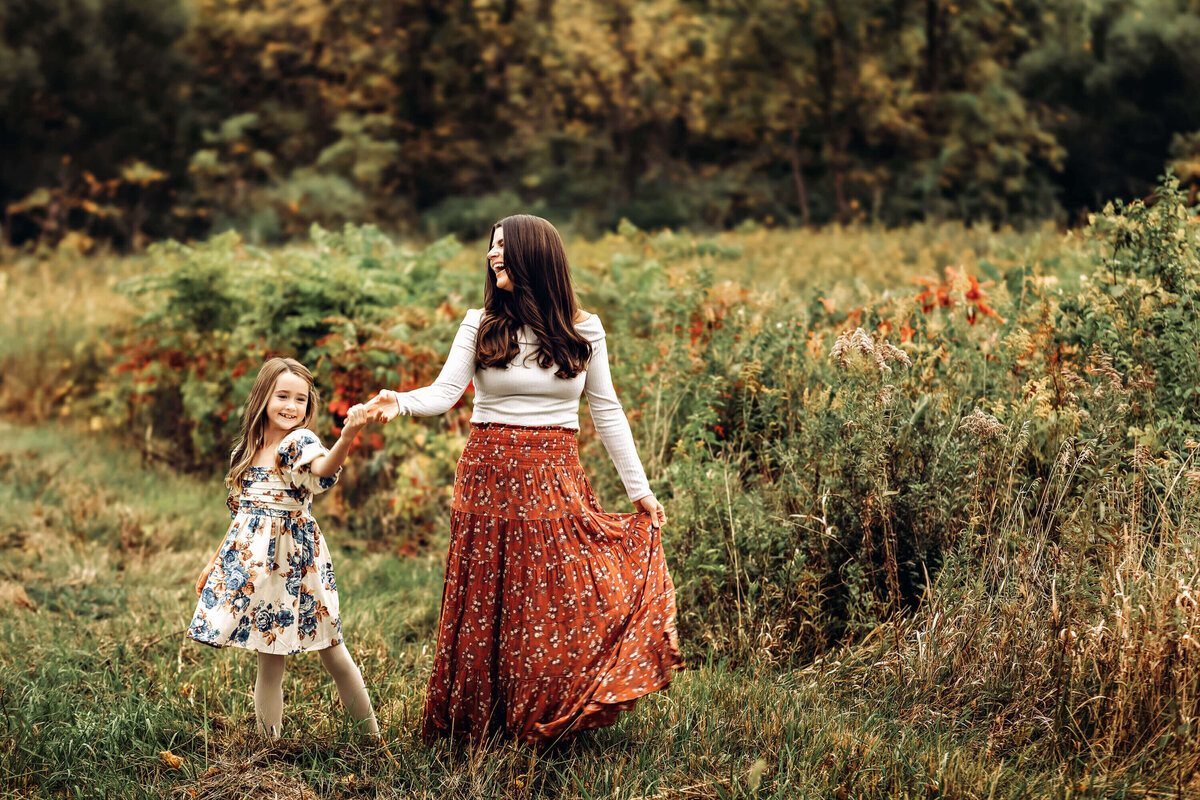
{"points": [[13, 594], [170, 759]]}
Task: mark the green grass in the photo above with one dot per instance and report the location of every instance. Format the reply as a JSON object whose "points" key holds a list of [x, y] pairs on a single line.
{"points": [[97, 680]]}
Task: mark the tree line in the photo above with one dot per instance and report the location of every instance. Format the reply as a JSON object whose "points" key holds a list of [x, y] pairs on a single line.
{"points": [[127, 120]]}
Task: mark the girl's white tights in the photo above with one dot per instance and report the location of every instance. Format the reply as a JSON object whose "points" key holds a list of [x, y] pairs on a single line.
{"points": [[268, 694], [268, 690]]}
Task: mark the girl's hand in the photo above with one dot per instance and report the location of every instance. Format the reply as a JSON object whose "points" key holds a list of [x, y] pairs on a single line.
{"points": [[356, 419], [651, 506], [383, 407], [203, 579]]}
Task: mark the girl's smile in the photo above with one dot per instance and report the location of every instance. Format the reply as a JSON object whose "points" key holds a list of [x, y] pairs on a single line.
{"points": [[289, 401]]}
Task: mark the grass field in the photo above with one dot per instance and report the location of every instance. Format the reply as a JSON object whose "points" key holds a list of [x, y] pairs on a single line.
{"points": [[1053, 657], [98, 681]]}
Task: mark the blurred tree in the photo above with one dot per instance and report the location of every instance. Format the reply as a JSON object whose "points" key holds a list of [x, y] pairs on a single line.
{"points": [[904, 109], [87, 87], [366, 109], [1119, 78], [987, 152], [269, 115], [616, 89]]}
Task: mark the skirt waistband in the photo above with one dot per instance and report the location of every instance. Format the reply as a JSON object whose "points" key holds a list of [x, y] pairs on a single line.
{"points": [[531, 429], [522, 441]]}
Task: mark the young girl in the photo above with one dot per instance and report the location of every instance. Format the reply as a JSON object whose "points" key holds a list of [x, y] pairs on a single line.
{"points": [[270, 586]]}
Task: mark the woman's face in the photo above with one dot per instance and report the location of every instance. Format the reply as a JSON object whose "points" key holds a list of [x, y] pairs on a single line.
{"points": [[495, 259]]}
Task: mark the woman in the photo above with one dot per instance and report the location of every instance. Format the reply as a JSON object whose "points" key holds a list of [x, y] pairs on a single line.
{"points": [[555, 614]]}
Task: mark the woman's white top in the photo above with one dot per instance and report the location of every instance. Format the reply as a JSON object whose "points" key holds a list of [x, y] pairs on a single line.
{"points": [[523, 393]]}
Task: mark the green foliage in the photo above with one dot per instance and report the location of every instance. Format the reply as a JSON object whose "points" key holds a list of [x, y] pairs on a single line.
{"points": [[1142, 310], [1015, 677], [472, 218], [345, 307]]}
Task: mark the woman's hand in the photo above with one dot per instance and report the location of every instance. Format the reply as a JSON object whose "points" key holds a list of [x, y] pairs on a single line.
{"points": [[651, 506], [382, 407], [203, 579]]}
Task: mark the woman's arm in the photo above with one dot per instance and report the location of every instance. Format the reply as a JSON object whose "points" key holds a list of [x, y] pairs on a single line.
{"points": [[441, 395], [612, 426]]}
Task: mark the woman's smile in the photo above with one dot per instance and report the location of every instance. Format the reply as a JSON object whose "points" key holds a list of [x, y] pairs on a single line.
{"points": [[495, 259]]}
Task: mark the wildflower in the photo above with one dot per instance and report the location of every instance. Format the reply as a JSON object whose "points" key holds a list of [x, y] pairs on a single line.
{"points": [[1070, 378], [975, 296], [861, 342], [982, 424], [1141, 455], [881, 353], [1102, 364], [1018, 344], [841, 349], [893, 353]]}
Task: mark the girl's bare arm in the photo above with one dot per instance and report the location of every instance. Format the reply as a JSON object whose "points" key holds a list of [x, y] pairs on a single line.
{"points": [[356, 419]]}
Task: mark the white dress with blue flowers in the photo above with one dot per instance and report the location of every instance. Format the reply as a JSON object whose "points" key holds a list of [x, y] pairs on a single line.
{"points": [[272, 588]]}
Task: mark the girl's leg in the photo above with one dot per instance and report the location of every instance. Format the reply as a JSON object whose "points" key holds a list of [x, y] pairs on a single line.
{"points": [[350, 687], [268, 694]]}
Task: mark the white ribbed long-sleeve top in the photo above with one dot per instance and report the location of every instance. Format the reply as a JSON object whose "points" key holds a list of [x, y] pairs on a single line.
{"points": [[523, 393]]}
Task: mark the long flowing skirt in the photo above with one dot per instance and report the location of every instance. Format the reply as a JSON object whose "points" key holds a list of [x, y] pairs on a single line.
{"points": [[555, 614]]}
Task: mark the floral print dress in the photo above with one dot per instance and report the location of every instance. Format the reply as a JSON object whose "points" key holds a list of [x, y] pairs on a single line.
{"points": [[273, 589]]}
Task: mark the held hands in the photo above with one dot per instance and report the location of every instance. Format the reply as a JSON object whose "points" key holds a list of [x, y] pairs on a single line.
{"points": [[651, 506], [357, 418], [383, 407]]}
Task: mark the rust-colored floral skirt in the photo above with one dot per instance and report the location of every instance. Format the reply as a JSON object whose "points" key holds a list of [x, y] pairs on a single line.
{"points": [[555, 614]]}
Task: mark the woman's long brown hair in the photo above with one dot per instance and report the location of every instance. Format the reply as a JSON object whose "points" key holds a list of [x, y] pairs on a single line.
{"points": [[541, 298], [254, 416]]}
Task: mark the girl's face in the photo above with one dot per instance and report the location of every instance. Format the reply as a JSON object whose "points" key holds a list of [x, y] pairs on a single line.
{"points": [[495, 259], [288, 403]]}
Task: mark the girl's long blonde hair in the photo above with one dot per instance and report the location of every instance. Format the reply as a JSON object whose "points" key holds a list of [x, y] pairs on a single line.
{"points": [[254, 415]]}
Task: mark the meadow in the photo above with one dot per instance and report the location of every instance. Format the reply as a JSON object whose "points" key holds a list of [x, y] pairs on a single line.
{"points": [[933, 494]]}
